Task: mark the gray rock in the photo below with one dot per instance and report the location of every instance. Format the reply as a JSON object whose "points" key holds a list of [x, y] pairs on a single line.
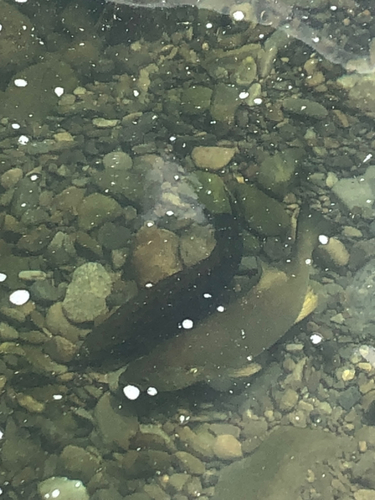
{"points": [[304, 107], [86, 294], [188, 463], [349, 397], [115, 426], [67, 488], [97, 209], [78, 462], [363, 470]]}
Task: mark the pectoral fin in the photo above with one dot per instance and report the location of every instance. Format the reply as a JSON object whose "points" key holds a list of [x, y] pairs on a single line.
{"points": [[310, 303]]}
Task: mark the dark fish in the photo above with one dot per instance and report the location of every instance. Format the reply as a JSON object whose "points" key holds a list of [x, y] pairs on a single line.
{"points": [[155, 313], [225, 343]]}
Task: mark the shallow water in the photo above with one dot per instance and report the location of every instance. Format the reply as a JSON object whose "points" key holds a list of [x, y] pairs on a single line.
{"points": [[281, 14]]}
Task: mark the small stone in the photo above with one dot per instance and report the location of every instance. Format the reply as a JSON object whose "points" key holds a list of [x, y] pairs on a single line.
{"points": [[364, 495], [227, 447], [305, 107], [331, 179], [32, 275], [288, 400], [348, 374], [30, 404], [334, 253], [298, 419], [97, 209], [103, 123], [212, 157], [10, 178], [188, 463], [367, 387], [366, 367], [294, 347], [60, 349], [63, 137], [338, 318], [86, 294], [351, 232]]}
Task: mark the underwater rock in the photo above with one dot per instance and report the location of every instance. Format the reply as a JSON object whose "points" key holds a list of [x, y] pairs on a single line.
{"points": [[155, 256], [67, 489], [212, 157], [86, 294]]}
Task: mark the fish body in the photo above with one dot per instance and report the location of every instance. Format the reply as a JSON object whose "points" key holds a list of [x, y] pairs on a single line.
{"points": [[155, 313], [228, 341]]}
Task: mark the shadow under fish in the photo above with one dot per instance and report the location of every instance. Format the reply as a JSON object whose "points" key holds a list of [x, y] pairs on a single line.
{"points": [[279, 14], [157, 313], [224, 345]]}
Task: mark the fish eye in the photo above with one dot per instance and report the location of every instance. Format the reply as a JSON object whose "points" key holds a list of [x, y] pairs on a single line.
{"points": [[265, 18]]}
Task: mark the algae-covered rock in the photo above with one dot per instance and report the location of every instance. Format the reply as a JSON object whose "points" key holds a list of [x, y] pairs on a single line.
{"points": [[225, 102], [213, 194], [38, 97], [155, 255], [246, 72], [212, 157], [305, 107], [276, 172], [361, 92], [262, 213], [97, 209], [196, 100]]}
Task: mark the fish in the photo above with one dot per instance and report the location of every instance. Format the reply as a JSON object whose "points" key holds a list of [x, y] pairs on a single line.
{"points": [[155, 313], [228, 341], [278, 14]]}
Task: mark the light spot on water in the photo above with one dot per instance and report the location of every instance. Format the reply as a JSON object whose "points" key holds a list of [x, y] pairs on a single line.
{"points": [[19, 297], [187, 324], [131, 392], [152, 391], [316, 338], [323, 239]]}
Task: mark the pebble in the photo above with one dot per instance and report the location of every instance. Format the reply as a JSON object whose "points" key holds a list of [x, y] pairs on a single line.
{"points": [[31, 275], [188, 463], [10, 178], [348, 374], [67, 489], [304, 107], [103, 123], [212, 157], [364, 495], [288, 400], [86, 294], [334, 253], [30, 404], [351, 232], [227, 447]]}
